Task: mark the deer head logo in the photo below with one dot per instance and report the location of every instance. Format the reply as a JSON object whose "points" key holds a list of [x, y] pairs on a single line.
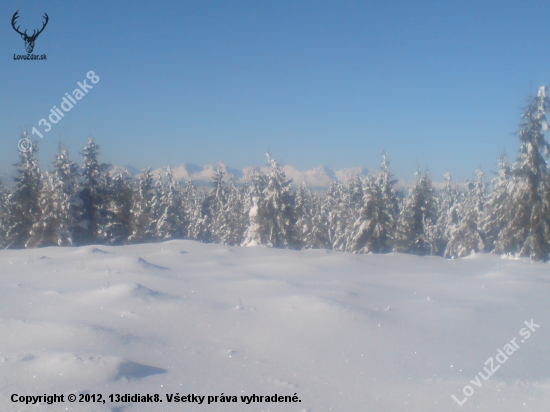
{"points": [[29, 40]]}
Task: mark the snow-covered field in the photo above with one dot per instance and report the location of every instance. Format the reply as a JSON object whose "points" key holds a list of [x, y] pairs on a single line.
{"points": [[343, 332]]}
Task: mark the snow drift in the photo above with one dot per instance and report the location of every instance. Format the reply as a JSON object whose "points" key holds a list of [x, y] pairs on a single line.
{"points": [[343, 332]]}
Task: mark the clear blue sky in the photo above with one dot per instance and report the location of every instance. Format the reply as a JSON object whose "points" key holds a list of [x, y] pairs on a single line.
{"points": [[439, 84]]}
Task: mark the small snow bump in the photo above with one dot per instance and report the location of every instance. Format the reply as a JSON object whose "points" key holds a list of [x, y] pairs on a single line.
{"points": [[146, 265], [132, 371]]}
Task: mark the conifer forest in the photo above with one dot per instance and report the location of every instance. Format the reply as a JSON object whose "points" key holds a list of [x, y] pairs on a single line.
{"points": [[80, 204]]}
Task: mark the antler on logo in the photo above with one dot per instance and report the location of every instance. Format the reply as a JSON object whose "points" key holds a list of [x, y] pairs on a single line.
{"points": [[29, 40]]}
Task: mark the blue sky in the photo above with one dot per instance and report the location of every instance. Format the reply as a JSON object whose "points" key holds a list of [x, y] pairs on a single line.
{"points": [[438, 84]]}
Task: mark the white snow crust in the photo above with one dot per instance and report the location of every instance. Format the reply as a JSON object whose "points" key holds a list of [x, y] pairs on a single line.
{"points": [[344, 332]]}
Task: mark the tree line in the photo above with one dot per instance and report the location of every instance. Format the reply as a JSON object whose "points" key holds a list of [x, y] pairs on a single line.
{"points": [[84, 204]]}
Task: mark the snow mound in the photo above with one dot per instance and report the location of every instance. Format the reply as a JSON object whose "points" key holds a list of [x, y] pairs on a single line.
{"points": [[146, 265], [142, 292], [132, 371]]}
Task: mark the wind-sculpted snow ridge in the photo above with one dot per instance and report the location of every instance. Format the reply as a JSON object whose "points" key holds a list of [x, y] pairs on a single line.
{"points": [[345, 332], [144, 293], [132, 371], [146, 265]]}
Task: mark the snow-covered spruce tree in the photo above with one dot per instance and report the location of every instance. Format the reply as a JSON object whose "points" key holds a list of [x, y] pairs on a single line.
{"points": [[254, 234], [302, 208], [42, 232], [66, 179], [171, 223], [355, 188], [157, 200], [57, 203], [257, 184], [116, 214], [317, 237], [417, 218], [53, 227], [225, 208], [374, 228], [3, 213], [387, 182], [354, 205], [310, 230], [23, 203], [143, 223], [277, 209], [466, 237], [214, 207], [234, 220], [447, 216], [327, 203], [65, 170], [480, 193], [528, 231], [192, 206], [497, 211], [202, 224], [91, 195], [244, 196], [336, 213]]}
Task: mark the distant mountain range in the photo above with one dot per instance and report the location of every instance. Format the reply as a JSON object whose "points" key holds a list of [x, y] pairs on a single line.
{"points": [[318, 178]]}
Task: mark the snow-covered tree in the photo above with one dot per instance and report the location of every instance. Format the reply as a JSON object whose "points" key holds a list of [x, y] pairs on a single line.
{"points": [[270, 209], [336, 212], [57, 204], [277, 209], [447, 216], [310, 229], [417, 218], [233, 218], [66, 180], [171, 222], [193, 201], [349, 210], [23, 203], [528, 231], [480, 193], [214, 207], [4, 213], [116, 215], [66, 171], [304, 214], [91, 195], [253, 235], [374, 228], [498, 208], [466, 236], [143, 223]]}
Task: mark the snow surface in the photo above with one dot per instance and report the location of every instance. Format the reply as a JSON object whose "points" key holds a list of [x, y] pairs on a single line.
{"points": [[344, 332]]}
